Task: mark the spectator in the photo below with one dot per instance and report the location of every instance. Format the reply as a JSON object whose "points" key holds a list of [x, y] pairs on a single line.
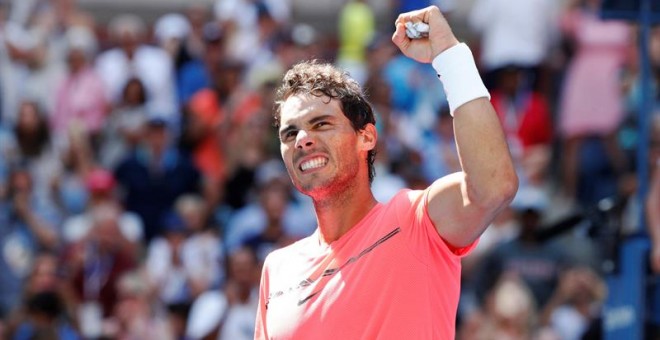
{"points": [[273, 198], [242, 295], [31, 145], [171, 31], [80, 98], [575, 305], [510, 312], [125, 125], [242, 39], [44, 319], [155, 175], [504, 229], [591, 107], [102, 190], [274, 219], [415, 95], [68, 186], [46, 307], [247, 124], [356, 28], [133, 58], [195, 74], [39, 68], [515, 32], [203, 240], [198, 15], [537, 263], [180, 265], [96, 263], [228, 314], [525, 116], [27, 225], [202, 135], [135, 316]]}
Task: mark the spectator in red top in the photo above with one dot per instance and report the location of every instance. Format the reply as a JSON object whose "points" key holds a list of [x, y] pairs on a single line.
{"points": [[525, 117]]}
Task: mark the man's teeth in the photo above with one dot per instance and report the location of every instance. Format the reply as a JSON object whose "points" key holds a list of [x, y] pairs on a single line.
{"points": [[313, 163]]}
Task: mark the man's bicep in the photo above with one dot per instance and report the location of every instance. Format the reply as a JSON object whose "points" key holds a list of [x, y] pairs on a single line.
{"points": [[457, 220]]}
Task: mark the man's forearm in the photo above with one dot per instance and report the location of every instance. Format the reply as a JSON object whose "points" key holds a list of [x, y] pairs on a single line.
{"points": [[483, 153]]}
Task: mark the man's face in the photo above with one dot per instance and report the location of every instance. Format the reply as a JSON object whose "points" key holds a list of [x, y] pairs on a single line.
{"points": [[321, 151]]}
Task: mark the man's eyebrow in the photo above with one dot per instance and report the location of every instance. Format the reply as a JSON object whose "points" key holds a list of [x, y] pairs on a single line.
{"points": [[320, 118], [285, 129]]}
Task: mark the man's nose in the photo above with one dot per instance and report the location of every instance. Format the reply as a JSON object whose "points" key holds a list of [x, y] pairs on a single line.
{"points": [[304, 140]]}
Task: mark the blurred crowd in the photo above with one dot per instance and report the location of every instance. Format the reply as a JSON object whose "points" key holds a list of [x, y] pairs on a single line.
{"points": [[141, 186]]}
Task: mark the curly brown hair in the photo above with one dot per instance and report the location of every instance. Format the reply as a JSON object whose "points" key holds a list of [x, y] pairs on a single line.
{"points": [[323, 79]]}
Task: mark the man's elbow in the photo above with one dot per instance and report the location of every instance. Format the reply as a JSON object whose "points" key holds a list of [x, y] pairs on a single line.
{"points": [[498, 193], [508, 188]]}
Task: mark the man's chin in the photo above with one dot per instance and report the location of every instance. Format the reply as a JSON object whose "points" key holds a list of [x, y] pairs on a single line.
{"points": [[313, 189]]}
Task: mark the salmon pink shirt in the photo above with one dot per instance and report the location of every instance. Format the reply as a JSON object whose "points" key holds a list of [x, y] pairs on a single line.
{"points": [[390, 277]]}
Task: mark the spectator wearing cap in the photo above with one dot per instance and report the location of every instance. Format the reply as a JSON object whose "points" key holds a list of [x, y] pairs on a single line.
{"points": [[171, 31], [155, 175], [134, 58], [80, 101], [182, 36], [101, 188]]}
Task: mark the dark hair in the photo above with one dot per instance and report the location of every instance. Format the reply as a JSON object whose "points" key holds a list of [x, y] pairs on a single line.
{"points": [[33, 144], [47, 303], [142, 94], [323, 79]]}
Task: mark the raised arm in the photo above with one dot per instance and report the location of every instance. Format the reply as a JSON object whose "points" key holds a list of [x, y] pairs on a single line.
{"points": [[462, 205]]}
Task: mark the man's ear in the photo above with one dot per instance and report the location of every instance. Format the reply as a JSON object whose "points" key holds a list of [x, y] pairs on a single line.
{"points": [[368, 137]]}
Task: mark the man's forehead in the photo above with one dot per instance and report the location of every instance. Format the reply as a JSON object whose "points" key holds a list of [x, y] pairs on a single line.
{"points": [[303, 107]]}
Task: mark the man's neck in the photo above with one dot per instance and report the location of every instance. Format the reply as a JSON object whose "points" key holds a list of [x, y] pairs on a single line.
{"points": [[339, 213]]}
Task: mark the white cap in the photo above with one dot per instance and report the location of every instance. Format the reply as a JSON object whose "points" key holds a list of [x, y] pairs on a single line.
{"points": [[171, 26], [81, 38]]}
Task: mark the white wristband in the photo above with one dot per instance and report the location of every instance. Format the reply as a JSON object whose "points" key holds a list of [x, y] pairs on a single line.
{"points": [[459, 75]]}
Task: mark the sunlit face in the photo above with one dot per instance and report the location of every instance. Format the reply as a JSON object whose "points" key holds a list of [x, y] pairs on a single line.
{"points": [[322, 152]]}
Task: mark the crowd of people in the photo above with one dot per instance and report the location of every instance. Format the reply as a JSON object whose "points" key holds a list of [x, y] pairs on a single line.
{"points": [[141, 182]]}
